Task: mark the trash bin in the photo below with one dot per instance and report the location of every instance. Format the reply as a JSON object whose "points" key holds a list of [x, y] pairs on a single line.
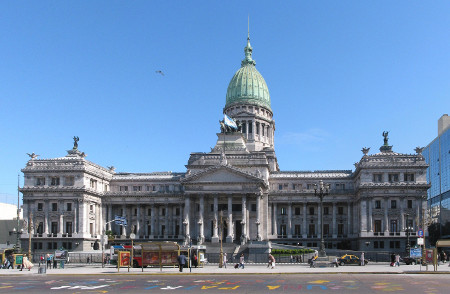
{"points": [[42, 270]]}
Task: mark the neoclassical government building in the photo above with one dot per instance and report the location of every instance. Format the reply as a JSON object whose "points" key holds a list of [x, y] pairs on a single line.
{"points": [[236, 188]]}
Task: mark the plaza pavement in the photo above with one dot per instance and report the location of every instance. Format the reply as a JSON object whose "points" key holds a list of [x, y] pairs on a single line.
{"points": [[213, 269]]}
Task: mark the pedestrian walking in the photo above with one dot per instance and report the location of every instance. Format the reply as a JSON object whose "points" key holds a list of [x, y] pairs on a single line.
{"points": [[195, 260], [271, 261], [397, 260], [181, 261], [26, 263], [362, 258], [224, 261], [392, 259], [335, 262], [241, 261]]}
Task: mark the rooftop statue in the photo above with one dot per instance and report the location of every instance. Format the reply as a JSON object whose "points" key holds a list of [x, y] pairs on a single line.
{"points": [[75, 142], [385, 135], [33, 155]]}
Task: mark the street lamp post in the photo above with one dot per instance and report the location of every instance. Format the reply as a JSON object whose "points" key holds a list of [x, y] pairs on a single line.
{"points": [[408, 246], [320, 192], [17, 248]]}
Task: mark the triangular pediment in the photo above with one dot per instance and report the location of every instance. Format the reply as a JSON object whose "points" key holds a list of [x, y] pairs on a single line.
{"points": [[222, 174]]}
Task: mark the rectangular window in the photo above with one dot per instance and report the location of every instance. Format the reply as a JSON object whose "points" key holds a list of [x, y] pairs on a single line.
{"points": [[297, 231], [311, 211], [312, 229], [377, 226], [68, 227], [378, 178], [149, 211], [377, 204], [393, 203], [91, 228], [91, 208], [283, 230], [153, 188], [375, 244], [280, 187], [54, 206], [253, 206], [177, 211], [40, 229], [309, 186], [163, 211], [297, 211], [40, 181], [283, 211], [326, 229], [93, 184], [106, 188], [250, 127], [54, 228], [69, 181], [54, 181], [123, 188], [40, 206], [408, 177], [326, 210], [393, 226], [340, 229], [69, 206], [135, 211], [393, 178], [137, 188], [381, 244], [236, 207], [340, 210], [410, 204]]}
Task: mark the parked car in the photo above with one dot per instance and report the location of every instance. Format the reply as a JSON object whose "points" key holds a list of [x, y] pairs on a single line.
{"points": [[411, 260], [351, 259]]}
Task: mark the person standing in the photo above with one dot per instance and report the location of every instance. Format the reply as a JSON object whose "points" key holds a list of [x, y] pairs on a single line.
{"points": [[224, 261], [49, 261], [181, 261], [397, 260], [241, 261], [362, 259]]}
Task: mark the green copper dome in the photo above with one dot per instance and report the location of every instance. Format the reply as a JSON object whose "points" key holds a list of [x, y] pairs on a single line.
{"points": [[247, 85]]}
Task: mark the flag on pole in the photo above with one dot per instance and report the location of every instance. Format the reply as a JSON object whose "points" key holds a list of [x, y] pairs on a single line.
{"points": [[229, 122]]}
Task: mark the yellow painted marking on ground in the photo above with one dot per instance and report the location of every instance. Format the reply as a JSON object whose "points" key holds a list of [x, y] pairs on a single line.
{"points": [[208, 287], [273, 287], [3, 287], [229, 288], [318, 282]]}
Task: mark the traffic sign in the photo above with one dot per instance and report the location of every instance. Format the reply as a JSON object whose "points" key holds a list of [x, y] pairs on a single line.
{"points": [[420, 233], [419, 241]]}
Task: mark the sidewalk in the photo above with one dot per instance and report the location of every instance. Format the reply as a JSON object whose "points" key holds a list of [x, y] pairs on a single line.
{"points": [[213, 269]]}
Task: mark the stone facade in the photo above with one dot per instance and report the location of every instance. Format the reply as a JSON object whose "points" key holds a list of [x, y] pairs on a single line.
{"points": [[237, 188]]}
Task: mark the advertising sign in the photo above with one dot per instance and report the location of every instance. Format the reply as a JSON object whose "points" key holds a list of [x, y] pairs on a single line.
{"points": [[18, 259], [415, 252], [124, 258], [429, 256], [61, 255], [150, 258]]}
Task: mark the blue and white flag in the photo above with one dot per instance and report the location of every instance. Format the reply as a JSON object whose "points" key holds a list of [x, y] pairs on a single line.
{"points": [[229, 122]]}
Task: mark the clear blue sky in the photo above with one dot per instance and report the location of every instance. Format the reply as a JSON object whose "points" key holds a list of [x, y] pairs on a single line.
{"points": [[339, 74]]}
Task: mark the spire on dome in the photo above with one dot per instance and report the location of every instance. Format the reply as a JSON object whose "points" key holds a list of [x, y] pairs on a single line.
{"points": [[248, 49]]}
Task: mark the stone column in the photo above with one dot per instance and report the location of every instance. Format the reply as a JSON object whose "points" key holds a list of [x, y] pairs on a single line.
{"points": [[124, 214], [258, 217], [201, 235], [304, 232], [253, 135], [153, 221], [401, 224], [370, 221], [81, 216], [180, 221], [187, 230], [289, 222], [166, 222], [138, 221], [334, 232], [61, 224], [76, 224], [244, 220], [46, 216], [363, 216], [215, 237], [319, 218], [349, 219], [230, 219], [275, 223], [174, 221], [110, 216], [386, 217]]}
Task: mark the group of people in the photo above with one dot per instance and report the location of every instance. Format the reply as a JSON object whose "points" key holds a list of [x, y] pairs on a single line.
{"points": [[9, 262], [395, 259], [182, 261]]}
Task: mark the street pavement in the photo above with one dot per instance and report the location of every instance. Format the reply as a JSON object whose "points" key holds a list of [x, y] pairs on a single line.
{"points": [[213, 269]]}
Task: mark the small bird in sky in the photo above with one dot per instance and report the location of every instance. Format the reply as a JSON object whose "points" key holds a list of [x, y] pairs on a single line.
{"points": [[160, 72]]}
